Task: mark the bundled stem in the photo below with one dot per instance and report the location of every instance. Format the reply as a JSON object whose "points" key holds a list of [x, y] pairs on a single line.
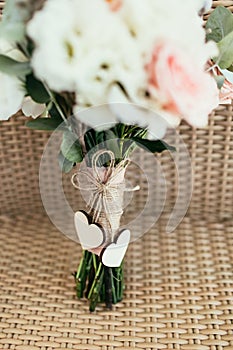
{"points": [[108, 153], [98, 283]]}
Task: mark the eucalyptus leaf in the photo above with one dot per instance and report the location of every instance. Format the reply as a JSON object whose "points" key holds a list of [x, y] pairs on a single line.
{"points": [[219, 24], [219, 80], [225, 46], [71, 148], [11, 67], [12, 31], [15, 15], [16, 11], [36, 89], [113, 143], [65, 165], [47, 124], [153, 146]]}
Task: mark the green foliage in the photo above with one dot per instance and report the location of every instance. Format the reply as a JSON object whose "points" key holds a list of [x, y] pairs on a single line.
{"points": [[11, 67], [220, 29], [65, 100], [36, 89], [225, 46], [15, 15], [219, 24], [65, 165], [219, 80], [153, 146], [115, 139], [122, 140], [230, 68], [71, 148], [46, 124]]}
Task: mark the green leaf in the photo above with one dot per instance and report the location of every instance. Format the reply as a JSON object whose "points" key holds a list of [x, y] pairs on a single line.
{"points": [[230, 68], [71, 148], [90, 139], [113, 143], [12, 31], [100, 137], [55, 114], [65, 165], [36, 89], [219, 24], [225, 46], [48, 124], [15, 15], [153, 146], [12, 67], [219, 80]]}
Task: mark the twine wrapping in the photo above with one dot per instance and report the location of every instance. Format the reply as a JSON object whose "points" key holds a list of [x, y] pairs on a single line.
{"points": [[104, 189]]}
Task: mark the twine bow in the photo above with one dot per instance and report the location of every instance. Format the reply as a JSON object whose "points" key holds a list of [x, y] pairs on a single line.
{"points": [[105, 199]]}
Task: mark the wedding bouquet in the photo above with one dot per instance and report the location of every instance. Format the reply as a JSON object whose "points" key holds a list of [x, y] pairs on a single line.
{"points": [[150, 63]]}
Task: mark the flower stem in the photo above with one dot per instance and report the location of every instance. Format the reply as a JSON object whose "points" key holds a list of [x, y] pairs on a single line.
{"points": [[108, 287], [99, 283], [56, 104]]}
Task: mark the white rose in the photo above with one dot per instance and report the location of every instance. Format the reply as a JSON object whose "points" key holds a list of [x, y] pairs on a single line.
{"points": [[54, 31]]}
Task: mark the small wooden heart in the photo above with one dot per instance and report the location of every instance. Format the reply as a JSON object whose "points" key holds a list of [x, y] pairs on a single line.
{"points": [[114, 253], [90, 235]]}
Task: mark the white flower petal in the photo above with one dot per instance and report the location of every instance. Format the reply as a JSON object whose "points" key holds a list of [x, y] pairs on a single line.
{"points": [[11, 96], [95, 48], [8, 49], [132, 114], [98, 117], [116, 95], [205, 5], [31, 108]]}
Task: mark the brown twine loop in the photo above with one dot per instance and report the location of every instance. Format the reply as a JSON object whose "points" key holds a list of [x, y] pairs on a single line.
{"points": [[106, 194]]}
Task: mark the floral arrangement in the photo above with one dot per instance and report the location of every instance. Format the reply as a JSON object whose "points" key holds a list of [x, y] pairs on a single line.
{"points": [[151, 63]]}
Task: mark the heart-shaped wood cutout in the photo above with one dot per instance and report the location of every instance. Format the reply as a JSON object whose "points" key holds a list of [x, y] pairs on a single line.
{"points": [[114, 253], [90, 235]]}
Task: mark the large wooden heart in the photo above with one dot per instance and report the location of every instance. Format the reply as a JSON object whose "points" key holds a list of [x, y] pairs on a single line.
{"points": [[114, 253], [90, 236]]}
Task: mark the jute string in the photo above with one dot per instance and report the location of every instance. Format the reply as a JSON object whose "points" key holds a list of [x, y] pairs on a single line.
{"points": [[105, 189]]}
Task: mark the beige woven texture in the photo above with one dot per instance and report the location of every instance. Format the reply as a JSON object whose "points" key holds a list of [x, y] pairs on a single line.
{"points": [[179, 287]]}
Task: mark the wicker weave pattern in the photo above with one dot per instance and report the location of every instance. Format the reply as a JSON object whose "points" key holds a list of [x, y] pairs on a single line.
{"points": [[178, 296], [211, 152], [179, 287]]}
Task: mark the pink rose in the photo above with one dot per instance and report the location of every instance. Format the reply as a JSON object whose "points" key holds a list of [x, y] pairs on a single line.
{"points": [[180, 86], [114, 5]]}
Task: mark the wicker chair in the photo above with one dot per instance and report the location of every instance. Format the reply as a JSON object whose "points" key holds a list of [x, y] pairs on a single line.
{"points": [[179, 287]]}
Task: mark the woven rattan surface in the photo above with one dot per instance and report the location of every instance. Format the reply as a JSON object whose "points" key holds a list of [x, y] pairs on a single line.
{"points": [[178, 294], [179, 286], [211, 153]]}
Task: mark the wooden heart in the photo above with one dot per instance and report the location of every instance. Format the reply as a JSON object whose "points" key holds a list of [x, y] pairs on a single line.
{"points": [[90, 235], [114, 253]]}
